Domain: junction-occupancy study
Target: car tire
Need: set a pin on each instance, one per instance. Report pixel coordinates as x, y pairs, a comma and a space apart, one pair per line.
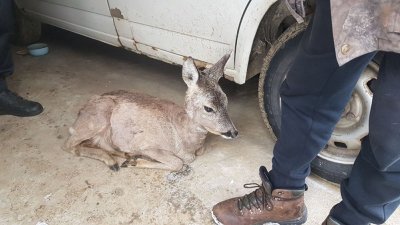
28, 30
333, 163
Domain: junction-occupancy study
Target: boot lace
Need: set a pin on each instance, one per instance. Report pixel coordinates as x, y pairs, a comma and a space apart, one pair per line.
259, 198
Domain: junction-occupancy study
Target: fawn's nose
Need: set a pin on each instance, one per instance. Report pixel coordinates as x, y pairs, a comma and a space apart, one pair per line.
231, 134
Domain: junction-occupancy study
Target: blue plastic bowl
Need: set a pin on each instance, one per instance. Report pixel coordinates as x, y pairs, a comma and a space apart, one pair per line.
38, 49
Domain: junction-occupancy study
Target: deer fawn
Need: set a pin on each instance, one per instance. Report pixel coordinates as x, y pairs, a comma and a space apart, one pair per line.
149, 132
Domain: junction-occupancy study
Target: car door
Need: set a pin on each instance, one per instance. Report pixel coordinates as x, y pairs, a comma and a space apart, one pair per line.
173, 29
91, 18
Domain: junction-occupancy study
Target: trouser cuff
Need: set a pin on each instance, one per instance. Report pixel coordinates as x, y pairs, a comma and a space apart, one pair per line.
280, 181
342, 213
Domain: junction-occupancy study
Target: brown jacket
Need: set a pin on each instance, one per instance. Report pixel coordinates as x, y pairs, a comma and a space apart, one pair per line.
360, 26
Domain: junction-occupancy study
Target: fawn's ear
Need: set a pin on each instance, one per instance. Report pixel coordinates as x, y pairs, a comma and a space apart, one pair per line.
190, 74
217, 70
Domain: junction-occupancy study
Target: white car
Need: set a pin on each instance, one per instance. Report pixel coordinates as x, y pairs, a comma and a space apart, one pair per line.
258, 32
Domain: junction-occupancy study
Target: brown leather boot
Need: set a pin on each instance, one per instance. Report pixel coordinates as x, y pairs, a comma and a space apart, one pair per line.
264, 205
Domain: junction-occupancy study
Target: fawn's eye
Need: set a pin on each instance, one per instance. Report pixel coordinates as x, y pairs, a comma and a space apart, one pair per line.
208, 109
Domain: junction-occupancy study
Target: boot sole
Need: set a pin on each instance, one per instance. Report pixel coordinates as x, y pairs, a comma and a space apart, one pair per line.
299, 221
29, 114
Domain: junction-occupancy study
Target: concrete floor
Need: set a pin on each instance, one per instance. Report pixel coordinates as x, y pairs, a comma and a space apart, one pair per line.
41, 183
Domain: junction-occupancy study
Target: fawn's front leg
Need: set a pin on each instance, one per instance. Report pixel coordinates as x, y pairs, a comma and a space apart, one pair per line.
158, 159
99, 154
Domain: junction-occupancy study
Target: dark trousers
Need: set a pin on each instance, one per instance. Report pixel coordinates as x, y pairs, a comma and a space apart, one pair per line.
6, 29
313, 98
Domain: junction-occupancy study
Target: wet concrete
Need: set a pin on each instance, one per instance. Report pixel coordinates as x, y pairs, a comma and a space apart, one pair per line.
41, 183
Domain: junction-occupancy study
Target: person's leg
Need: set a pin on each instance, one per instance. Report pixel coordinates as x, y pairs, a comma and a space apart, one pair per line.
10, 102
6, 29
372, 192
313, 98
3, 84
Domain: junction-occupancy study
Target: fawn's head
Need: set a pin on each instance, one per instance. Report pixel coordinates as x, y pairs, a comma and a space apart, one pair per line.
205, 101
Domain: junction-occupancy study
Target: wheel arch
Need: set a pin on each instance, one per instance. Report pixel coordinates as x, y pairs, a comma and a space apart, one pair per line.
262, 18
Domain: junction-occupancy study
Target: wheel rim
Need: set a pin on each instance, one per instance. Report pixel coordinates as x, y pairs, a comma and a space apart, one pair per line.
345, 142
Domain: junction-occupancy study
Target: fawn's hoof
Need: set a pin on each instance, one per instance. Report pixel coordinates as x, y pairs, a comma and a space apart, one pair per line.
125, 164
114, 167
129, 162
